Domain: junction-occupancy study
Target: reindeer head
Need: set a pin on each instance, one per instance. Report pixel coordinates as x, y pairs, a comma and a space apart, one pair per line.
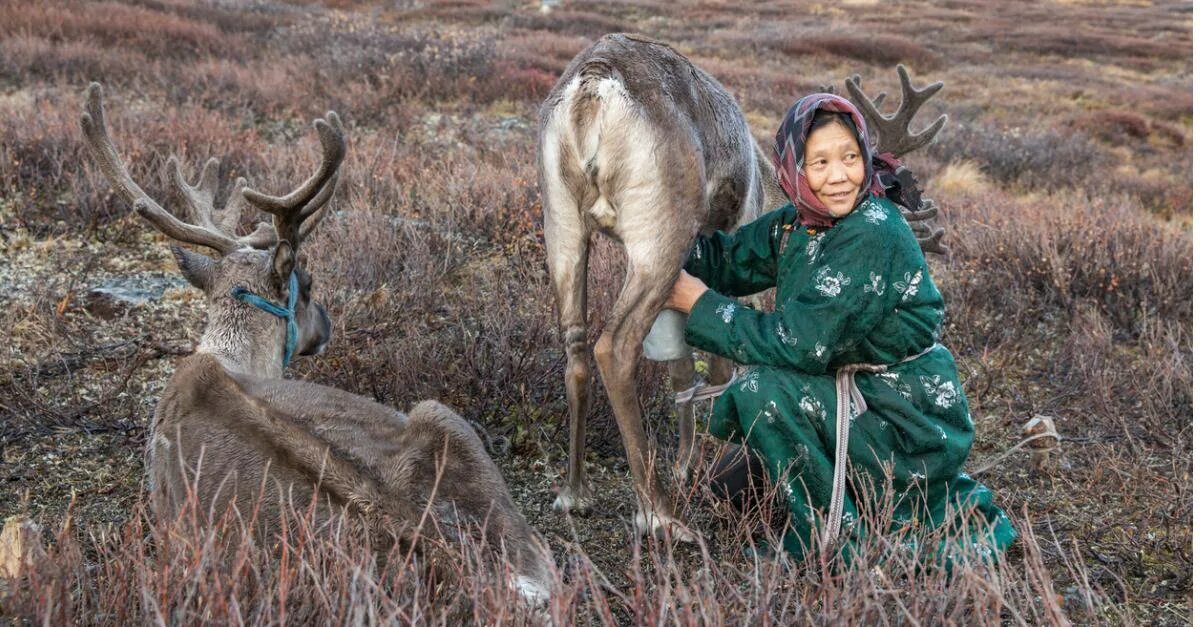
260, 310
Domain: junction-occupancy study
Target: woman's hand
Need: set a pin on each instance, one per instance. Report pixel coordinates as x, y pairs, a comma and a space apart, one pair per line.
686, 291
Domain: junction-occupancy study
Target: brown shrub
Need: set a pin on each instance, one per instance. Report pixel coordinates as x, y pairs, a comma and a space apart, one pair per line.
417, 63
1112, 125
571, 22
150, 32
542, 50
761, 88
523, 84
1079, 41
25, 57
465, 12
1157, 102
256, 19
282, 86
879, 50
1034, 158
1119, 127
1166, 193
438, 264
1169, 134
1121, 377
1055, 254
1084, 304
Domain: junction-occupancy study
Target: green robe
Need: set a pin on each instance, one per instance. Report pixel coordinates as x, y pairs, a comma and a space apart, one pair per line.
858, 292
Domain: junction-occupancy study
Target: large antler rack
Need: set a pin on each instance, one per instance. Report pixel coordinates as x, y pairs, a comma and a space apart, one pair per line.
217, 232
892, 137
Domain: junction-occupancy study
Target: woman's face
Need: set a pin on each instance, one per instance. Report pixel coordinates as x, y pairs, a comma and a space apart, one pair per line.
833, 165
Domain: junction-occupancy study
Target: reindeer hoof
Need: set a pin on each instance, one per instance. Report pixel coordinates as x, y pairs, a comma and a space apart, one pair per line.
571, 501
664, 526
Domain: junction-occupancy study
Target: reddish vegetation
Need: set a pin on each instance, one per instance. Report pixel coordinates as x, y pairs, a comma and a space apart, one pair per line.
882, 50
1117, 127
111, 24
1068, 292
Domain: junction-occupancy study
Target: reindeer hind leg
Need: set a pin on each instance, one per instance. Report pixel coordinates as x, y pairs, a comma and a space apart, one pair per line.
571, 286
447, 463
567, 247
653, 266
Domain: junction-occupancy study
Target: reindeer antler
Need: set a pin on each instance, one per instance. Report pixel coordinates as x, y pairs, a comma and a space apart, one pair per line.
199, 197
290, 212
293, 209
891, 131
892, 136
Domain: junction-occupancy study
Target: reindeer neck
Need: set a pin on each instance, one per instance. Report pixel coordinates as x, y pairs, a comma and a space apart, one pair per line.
245, 340
770, 196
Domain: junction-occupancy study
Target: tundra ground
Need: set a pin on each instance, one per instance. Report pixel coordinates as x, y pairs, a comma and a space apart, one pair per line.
1065, 184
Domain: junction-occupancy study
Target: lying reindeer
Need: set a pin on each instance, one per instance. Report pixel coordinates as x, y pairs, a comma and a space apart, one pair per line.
639, 144
228, 419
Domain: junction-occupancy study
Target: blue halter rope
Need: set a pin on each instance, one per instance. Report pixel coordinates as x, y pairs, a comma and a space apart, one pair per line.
288, 313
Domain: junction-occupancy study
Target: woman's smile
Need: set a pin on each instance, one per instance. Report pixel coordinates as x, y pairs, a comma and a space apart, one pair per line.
839, 196
838, 203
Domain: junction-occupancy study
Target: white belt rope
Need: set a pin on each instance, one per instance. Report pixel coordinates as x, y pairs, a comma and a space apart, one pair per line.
850, 404
701, 392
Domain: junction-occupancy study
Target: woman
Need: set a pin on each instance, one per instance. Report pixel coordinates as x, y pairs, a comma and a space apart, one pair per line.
857, 316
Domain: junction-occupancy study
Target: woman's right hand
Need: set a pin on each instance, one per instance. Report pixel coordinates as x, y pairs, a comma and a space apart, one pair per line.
686, 291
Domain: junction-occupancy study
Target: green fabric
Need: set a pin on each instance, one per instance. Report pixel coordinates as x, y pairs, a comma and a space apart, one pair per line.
858, 292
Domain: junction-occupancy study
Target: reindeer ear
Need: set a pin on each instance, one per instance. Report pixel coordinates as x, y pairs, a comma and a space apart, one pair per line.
284, 262
196, 268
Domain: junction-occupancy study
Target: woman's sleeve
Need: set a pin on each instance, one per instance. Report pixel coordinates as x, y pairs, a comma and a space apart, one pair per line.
839, 304
744, 262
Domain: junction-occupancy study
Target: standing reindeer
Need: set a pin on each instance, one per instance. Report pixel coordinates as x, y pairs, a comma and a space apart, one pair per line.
228, 424
638, 143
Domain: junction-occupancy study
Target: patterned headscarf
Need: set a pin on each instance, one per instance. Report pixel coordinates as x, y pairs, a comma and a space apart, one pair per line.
788, 156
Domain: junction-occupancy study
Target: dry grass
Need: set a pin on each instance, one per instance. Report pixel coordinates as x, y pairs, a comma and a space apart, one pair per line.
201, 568
959, 177
1064, 177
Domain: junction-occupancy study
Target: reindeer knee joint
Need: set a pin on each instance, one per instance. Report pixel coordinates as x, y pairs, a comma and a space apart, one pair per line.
603, 350
574, 338
577, 374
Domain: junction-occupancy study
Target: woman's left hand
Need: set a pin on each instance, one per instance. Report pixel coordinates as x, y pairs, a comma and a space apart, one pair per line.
686, 291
